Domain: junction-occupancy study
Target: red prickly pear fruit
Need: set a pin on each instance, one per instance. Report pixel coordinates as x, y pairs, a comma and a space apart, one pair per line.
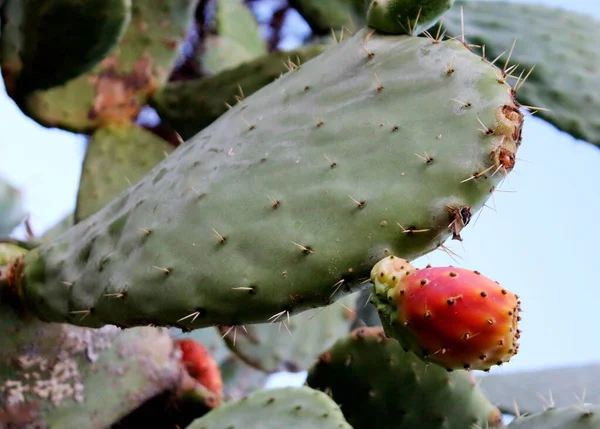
201, 365
454, 317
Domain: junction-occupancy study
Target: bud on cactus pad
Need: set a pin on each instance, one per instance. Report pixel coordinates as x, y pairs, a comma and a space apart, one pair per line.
454, 317
201, 365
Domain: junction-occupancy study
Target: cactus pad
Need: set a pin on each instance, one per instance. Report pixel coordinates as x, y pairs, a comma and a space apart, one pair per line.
554, 40
49, 54
287, 201
12, 211
581, 416
405, 16
117, 156
117, 88
238, 38
291, 344
71, 377
189, 106
298, 408
380, 385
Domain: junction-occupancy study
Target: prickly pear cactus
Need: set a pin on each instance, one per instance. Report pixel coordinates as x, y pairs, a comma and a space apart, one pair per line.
38, 47
289, 156
117, 157
581, 416
117, 88
297, 408
178, 103
380, 385
12, 212
291, 343
405, 16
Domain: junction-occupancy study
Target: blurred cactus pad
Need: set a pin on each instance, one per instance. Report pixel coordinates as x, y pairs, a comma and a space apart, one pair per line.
241, 198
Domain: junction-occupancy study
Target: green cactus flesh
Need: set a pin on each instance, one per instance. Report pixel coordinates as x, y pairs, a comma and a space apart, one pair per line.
12, 211
324, 16
189, 106
556, 42
560, 385
379, 385
287, 201
366, 313
240, 379
63, 376
116, 89
291, 344
405, 16
238, 38
580, 416
117, 156
297, 408
49, 54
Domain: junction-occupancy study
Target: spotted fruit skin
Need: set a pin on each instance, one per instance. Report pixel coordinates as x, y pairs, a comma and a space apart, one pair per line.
201, 365
454, 317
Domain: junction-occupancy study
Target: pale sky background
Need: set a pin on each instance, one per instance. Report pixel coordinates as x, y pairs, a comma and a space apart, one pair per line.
541, 241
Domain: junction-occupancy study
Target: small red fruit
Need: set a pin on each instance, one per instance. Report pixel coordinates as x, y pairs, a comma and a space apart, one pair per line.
454, 317
201, 365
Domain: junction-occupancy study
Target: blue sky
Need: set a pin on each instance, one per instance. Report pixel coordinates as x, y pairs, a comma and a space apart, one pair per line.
540, 241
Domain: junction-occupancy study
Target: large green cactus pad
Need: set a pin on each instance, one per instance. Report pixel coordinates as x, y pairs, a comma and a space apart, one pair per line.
379, 385
12, 211
117, 156
72, 377
532, 391
191, 105
291, 344
324, 16
560, 46
238, 38
297, 408
287, 201
54, 41
580, 416
115, 90
240, 379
